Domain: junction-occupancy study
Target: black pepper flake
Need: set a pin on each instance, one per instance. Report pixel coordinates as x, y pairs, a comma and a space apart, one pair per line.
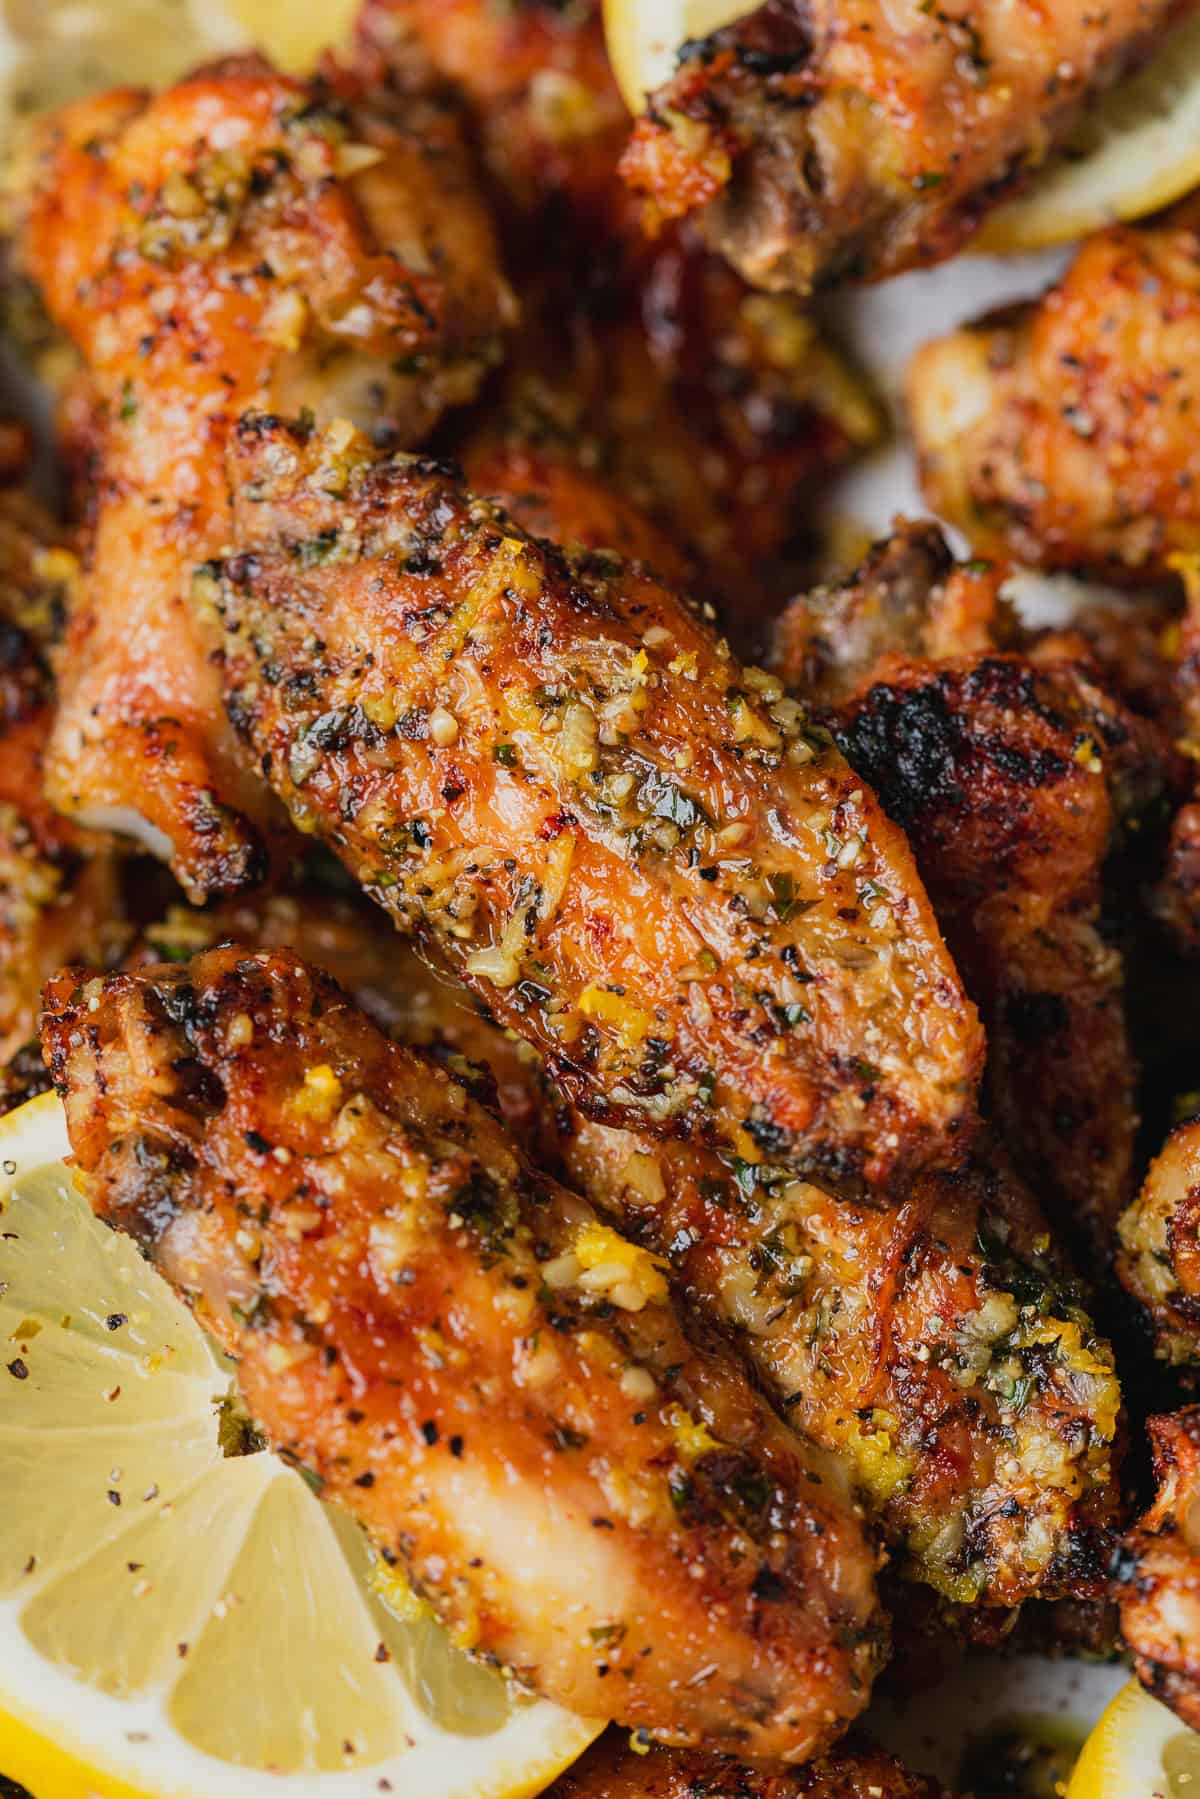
17, 1369
115, 1320
257, 1142
456, 1448
114, 1498
603, 1524
382, 1653
429, 1431
365, 1480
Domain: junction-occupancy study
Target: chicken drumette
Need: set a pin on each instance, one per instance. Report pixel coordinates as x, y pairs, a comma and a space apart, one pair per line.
496, 1383
242, 238
640, 852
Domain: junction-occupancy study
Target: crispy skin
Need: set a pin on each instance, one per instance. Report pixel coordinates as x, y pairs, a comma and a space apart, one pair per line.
938, 1349
1159, 1572
613, 1770
419, 1319
1159, 1258
1013, 784
650, 365
1176, 897
243, 238
633, 848
1063, 433
59, 896
1011, 1399
834, 139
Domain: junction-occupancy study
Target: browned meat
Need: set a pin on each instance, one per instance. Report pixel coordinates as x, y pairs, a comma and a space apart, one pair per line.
1159, 1572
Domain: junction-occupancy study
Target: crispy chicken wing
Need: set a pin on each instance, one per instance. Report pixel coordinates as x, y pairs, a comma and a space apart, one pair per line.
1013, 784
638, 851
838, 139
1159, 1571
1064, 432
1159, 1258
243, 238
611, 1769
493, 1381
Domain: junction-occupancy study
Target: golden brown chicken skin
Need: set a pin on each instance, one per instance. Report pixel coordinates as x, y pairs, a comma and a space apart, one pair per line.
1014, 784
242, 238
612, 1769
1159, 1257
638, 852
1159, 1571
835, 139
494, 1382
1064, 432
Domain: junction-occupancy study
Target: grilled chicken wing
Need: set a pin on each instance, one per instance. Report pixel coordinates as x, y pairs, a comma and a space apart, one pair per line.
612, 1770
1159, 1258
1013, 784
651, 365
1159, 1571
837, 138
493, 1381
636, 850
1064, 432
59, 891
243, 238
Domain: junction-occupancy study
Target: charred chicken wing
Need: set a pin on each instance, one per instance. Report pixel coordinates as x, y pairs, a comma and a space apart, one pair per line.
492, 1380
612, 1770
243, 238
1159, 1571
839, 138
1159, 1260
639, 852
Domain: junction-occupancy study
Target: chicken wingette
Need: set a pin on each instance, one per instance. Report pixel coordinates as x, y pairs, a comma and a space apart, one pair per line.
492, 1380
1063, 432
841, 139
241, 239
1158, 1570
1016, 780
640, 853
614, 1770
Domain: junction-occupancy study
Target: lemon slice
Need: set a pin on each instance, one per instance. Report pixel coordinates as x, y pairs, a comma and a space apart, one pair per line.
1137, 150
177, 1622
53, 51
644, 36
1138, 1750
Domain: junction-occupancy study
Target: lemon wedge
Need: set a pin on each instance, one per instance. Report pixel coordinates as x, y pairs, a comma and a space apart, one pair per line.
54, 51
1138, 1750
179, 1622
1136, 150
644, 36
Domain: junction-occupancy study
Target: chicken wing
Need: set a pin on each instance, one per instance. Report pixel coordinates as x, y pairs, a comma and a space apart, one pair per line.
1064, 432
243, 238
837, 139
493, 1381
640, 853
1159, 1571
1013, 784
1159, 1257
611, 1769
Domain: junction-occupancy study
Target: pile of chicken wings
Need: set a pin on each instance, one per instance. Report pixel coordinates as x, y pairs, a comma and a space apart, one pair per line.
672, 1080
